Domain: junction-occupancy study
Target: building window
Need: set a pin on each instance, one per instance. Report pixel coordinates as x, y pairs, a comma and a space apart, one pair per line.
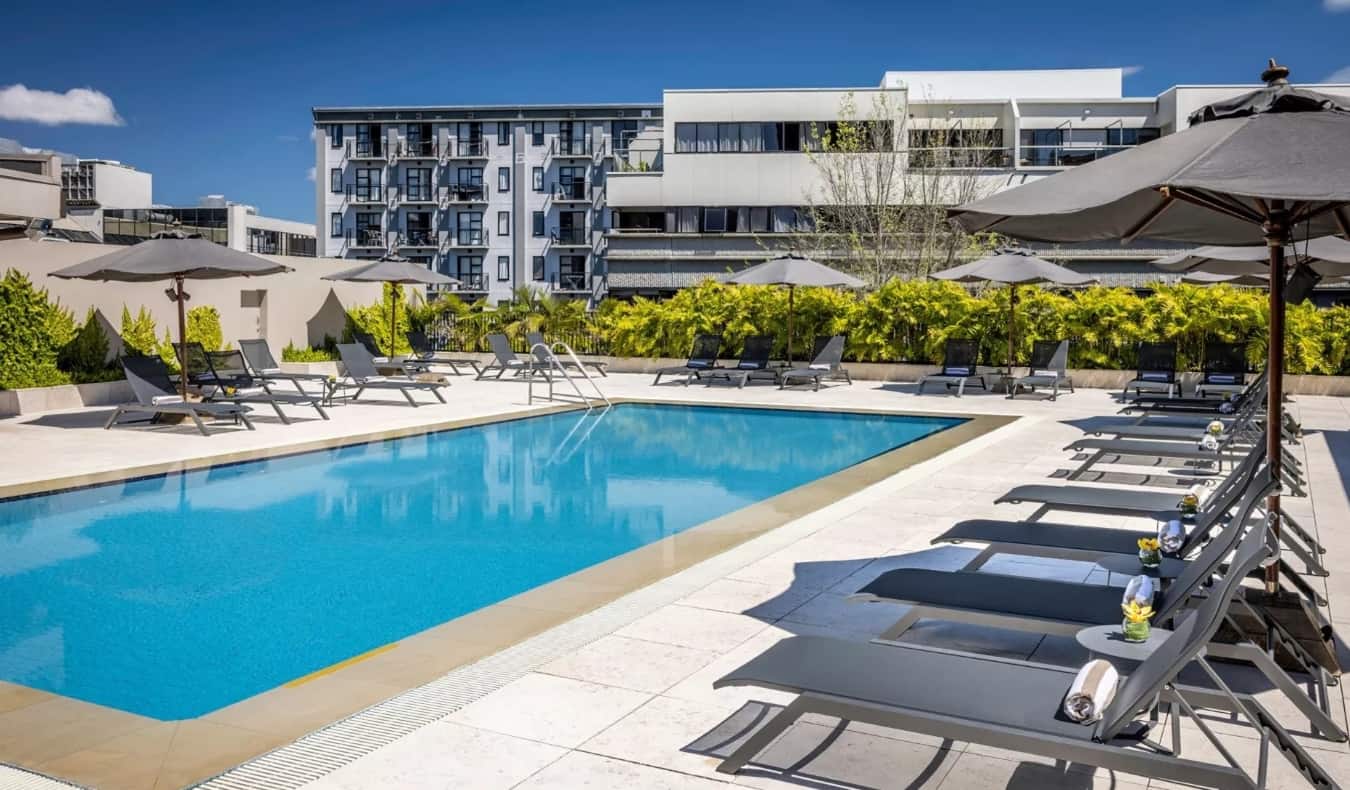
368, 183
503, 223
503, 267
538, 224
334, 135
503, 134
335, 179
537, 270
471, 176
335, 224
503, 179
686, 219
537, 133
714, 220
538, 175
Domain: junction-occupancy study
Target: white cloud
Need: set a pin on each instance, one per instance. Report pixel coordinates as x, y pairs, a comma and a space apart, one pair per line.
310, 175
1340, 75
77, 105
1336, 5
11, 146
1130, 71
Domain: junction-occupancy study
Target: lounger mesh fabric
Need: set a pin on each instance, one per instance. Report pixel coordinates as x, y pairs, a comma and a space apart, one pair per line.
259, 355
706, 350
1225, 363
755, 355
1157, 363
959, 357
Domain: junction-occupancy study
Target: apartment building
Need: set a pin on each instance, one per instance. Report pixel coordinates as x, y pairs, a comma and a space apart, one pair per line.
707, 181
496, 196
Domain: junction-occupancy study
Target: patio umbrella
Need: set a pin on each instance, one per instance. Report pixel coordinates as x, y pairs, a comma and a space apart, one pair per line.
172, 255
1328, 256
1013, 267
399, 271
792, 271
1199, 277
1250, 170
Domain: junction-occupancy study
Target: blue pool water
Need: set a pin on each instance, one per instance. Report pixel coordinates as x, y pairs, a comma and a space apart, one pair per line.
176, 595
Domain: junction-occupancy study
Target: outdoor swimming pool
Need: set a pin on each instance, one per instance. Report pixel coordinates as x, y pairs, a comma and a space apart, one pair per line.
176, 595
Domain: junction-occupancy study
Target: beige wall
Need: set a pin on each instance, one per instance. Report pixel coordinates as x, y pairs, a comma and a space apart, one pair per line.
28, 195
294, 307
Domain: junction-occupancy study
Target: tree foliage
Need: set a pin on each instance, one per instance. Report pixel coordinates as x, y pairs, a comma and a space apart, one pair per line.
85, 357
33, 330
138, 333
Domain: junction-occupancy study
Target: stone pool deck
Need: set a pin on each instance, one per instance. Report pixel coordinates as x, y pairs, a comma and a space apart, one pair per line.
622, 696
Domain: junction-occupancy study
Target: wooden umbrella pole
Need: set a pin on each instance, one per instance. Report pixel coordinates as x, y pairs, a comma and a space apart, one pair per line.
393, 319
1277, 236
791, 290
182, 339
1012, 323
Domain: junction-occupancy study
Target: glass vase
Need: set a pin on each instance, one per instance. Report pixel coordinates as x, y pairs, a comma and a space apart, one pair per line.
1135, 632
1150, 558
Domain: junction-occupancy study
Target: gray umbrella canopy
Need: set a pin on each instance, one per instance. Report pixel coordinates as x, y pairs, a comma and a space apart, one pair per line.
399, 271
792, 271
1013, 267
1250, 170
1328, 256
1209, 278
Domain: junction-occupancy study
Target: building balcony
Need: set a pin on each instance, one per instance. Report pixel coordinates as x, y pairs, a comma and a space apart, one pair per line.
467, 149
571, 237
469, 237
366, 239
370, 149
465, 193
1065, 155
418, 149
365, 195
577, 148
571, 192
417, 193
471, 282
960, 158
570, 282
420, 238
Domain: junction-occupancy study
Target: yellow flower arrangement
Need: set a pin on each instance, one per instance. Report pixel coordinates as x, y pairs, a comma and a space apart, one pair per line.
1136, 612
1148, 544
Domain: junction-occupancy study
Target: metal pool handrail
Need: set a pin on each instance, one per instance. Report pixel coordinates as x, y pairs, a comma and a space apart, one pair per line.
556, 366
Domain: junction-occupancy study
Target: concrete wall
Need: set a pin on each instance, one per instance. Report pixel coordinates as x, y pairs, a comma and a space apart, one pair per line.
1029, 83
296, 307
117, 186
31, 195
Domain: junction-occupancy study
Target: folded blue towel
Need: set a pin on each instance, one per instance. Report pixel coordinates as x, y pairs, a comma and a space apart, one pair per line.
959, 370
1221, 378
1155, 375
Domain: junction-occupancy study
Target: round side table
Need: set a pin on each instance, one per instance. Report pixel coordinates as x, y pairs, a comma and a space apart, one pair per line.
1109, 640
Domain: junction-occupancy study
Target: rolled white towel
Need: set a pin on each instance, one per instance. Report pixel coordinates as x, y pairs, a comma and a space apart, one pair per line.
1140, 589
1092, 691
1171, 536
166, 400
1209, 442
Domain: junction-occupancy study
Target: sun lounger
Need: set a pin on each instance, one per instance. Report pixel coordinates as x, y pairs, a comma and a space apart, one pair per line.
1236, 438
505, 359
1049, 367
543, 353
156, 396
826, 364
1253, 390
754, 363
262, 365
1156, 371
702, 359
1224, 370
958, 367
363, 375
1015, 705
424, 355
223, 376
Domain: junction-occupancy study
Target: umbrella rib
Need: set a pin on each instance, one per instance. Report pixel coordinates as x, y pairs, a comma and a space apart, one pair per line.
1306, 212
1149, 218
1342, 221
1205, 200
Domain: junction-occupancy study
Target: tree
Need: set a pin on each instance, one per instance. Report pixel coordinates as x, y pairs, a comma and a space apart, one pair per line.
138, 334
884, 183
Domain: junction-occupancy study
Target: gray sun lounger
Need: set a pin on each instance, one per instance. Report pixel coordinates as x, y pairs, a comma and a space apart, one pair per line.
702, 359
1156, 371
156, 396
1237, 439
1224, 371
959, 368
262, 365
424, 355
827, 364
1015, 705
1049, 367
753, 364
505, 359
363, 375
543, 353
229, 366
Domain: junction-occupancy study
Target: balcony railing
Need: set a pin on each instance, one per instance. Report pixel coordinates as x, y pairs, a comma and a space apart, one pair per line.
570, 190
471, 237
466, 193
1065, 155
372, 193
419, 237
417, 193
959, 158
576, 147
417, 149
469, 149
366, 238
571, 282
370, 149
571, 237
471, 281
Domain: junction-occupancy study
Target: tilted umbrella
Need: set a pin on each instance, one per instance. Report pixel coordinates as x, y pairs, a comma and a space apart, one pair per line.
1200, 277
792, 271
399, 271
172, 255
1266, 167
1013, 267
1328, 256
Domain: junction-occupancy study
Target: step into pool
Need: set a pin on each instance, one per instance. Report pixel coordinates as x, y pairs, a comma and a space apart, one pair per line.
175, 595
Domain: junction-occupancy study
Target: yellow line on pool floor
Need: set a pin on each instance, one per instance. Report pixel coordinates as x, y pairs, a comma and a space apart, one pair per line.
300, 681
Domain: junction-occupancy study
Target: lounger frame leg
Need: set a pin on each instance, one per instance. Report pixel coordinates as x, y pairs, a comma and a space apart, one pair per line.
112, 420
764, 736
201, 426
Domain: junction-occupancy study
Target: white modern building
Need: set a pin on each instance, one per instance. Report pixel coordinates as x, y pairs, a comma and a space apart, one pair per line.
638, 199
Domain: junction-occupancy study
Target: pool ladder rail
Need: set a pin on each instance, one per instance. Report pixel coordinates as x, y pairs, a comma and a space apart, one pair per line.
557, 370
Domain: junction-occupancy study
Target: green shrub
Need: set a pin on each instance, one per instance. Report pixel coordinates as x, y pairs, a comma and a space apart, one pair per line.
33, 330
85, 357
203, 326
374, 320
325, 353
138, 334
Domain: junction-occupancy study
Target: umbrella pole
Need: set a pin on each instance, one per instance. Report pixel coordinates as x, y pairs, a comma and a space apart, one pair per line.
1277, 235
791, 290
393, 319
1012, 323
182, 339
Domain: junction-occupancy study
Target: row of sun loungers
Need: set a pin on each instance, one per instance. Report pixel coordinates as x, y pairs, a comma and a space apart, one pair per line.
755, 363
1021, 705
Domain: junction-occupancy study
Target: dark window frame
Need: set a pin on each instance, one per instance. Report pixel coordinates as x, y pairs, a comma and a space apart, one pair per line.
503, 219
335, 225
335, 180
503, 268
503, 179
537, 174
537, 224
503, 133
537, 133
538, 266
334, 135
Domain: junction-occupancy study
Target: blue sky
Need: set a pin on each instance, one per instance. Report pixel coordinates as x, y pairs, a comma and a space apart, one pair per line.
214, 98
